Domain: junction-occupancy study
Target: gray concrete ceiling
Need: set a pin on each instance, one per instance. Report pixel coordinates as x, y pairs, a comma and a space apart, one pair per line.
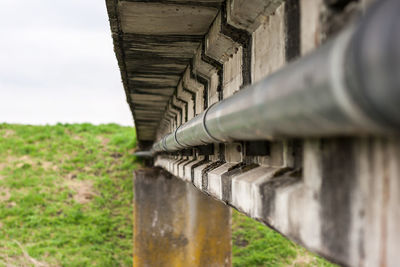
154, 42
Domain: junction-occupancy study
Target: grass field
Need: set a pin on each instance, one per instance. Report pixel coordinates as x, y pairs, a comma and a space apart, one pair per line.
66, 200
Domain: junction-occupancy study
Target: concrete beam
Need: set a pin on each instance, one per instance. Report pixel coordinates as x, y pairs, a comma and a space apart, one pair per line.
188, 98
194, 86
210, 72
343, 203
250, 14
217, 45
164, 19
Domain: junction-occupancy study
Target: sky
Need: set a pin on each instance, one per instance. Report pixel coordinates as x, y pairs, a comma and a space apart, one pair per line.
57, 64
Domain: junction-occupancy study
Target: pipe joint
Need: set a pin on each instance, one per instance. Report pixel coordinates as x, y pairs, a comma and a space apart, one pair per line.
204, 124
176, 138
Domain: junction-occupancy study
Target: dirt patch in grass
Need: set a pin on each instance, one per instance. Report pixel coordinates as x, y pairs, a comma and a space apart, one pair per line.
8, 133
4, 194
24, 260
302, 260
71, 176
47, 165
84, 190
21, 161
103, 140
87, 169
26, 159
77, 137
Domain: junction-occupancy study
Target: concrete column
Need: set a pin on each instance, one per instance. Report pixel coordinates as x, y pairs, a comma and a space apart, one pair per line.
176, 225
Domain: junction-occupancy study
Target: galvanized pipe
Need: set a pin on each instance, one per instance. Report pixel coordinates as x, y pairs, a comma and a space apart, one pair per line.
349, 86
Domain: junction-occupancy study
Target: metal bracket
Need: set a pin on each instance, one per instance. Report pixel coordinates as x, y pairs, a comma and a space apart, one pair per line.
257, 148
205, 150
186, 152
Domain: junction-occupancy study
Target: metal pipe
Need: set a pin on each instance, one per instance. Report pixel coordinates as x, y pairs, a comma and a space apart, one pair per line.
143, 154
349, 86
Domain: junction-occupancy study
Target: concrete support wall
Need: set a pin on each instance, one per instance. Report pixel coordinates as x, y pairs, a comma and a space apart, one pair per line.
176, 225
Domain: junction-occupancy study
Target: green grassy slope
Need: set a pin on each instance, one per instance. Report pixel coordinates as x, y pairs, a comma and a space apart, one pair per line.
66, 200
65, 195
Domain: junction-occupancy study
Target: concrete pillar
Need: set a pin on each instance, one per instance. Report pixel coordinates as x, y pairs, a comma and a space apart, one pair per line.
176, 225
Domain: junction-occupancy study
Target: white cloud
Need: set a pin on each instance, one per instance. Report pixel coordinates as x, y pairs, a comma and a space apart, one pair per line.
57, 64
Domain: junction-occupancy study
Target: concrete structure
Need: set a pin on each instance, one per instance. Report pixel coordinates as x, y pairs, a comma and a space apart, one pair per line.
176, 225
337, 194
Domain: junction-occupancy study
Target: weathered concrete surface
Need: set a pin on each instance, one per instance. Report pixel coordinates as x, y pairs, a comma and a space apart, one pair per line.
343, 203
249, 14
269, 45
160, 18
155, 42
176, 225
